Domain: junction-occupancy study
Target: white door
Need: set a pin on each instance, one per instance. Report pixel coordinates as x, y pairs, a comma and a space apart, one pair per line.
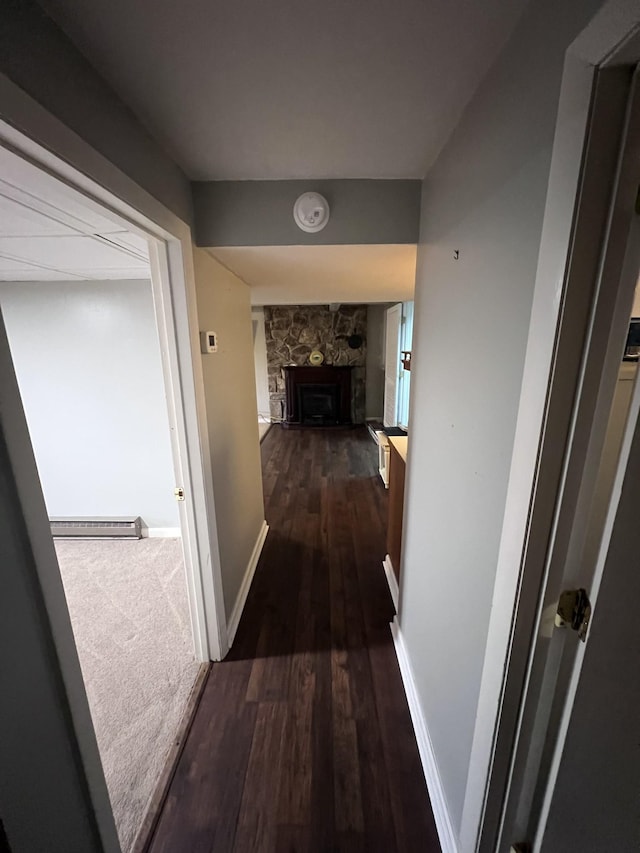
593, 800
404, 384
566, 541
392, 365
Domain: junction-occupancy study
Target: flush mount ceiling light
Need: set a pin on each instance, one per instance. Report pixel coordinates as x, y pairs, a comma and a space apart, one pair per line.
311, 212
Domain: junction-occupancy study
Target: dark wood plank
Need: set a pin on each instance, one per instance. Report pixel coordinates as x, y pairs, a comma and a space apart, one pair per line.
257, 821
202, 797
295, 788
302, 742
294, 839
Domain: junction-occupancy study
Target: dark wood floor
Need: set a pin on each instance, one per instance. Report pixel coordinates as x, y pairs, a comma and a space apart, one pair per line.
302, 742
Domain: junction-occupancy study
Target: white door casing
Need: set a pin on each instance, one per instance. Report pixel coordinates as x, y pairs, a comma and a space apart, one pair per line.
392, 365
404, 376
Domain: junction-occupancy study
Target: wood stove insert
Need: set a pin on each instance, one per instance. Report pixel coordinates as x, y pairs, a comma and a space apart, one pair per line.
318, 396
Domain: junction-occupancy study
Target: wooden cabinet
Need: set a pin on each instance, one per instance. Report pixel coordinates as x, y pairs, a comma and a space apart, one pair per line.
397, 464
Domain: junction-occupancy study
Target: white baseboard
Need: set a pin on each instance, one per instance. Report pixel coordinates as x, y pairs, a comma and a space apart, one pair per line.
446, 834
161, 533
238, 607
391, 580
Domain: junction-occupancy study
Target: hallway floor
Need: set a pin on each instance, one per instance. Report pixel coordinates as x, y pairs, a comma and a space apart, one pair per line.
302, 742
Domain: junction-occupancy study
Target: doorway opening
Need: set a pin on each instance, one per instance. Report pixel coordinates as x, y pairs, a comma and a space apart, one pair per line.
83, 296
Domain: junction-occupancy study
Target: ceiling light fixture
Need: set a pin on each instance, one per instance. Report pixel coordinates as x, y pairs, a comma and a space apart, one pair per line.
311, 212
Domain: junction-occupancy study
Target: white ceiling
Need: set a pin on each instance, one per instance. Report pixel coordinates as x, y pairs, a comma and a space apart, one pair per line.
295, 275
293, 89
47, 236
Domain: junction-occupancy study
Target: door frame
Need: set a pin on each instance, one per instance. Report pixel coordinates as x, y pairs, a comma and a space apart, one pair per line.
404, 376
553, 446
397, 308
175, 310
555, 670
60, 153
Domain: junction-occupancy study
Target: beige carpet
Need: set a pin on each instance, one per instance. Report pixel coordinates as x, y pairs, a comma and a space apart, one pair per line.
128, 605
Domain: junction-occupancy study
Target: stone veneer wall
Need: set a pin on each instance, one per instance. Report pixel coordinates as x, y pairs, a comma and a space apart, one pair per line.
294, 331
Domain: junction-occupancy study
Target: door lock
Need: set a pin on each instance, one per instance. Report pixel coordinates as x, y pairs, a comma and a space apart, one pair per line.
178, 493
574, 611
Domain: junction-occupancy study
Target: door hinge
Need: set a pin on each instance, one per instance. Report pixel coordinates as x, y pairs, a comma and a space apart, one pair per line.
178, 493
574, 611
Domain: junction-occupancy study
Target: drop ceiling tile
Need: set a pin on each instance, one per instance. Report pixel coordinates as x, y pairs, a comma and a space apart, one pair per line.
33, 274
127, 240
46, 195
122, 273
16, 220
17, 269
70, 253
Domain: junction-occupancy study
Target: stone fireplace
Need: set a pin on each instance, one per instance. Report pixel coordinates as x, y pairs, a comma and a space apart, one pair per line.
293, 331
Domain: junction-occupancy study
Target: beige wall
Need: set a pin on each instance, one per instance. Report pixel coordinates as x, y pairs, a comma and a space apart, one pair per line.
230, 391
635, 311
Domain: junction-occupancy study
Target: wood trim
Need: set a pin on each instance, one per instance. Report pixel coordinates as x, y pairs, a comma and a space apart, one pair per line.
441, 813
245, 586
156, 802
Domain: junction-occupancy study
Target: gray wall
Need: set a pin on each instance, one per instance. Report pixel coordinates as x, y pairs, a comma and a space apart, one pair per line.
88, 364
485, 197
37, 56
260, 213
232, 417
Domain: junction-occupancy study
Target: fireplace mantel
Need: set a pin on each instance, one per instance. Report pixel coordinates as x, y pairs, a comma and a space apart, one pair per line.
325, 374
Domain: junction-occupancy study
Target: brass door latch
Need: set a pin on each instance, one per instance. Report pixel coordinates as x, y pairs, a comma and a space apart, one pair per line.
574, 611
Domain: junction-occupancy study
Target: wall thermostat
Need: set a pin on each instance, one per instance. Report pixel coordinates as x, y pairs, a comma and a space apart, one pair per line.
208, 342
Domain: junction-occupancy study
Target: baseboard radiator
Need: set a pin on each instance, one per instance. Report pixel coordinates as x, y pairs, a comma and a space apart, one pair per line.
128, 527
